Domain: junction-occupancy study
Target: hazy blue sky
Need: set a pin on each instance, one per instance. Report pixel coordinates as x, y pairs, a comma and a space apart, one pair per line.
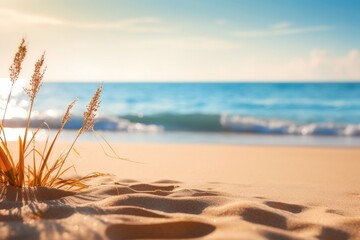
174, 40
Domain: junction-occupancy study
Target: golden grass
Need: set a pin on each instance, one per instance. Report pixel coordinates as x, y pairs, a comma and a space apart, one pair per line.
25, 170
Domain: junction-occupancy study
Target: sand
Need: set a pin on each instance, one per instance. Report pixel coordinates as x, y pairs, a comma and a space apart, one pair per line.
196, 191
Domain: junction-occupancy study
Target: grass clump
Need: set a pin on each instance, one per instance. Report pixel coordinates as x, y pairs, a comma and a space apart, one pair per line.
32, 166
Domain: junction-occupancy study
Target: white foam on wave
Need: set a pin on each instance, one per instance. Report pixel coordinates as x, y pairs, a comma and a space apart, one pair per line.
238, 123
103, 123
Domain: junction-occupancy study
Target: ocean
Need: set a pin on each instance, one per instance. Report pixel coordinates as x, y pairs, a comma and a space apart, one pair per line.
236, 113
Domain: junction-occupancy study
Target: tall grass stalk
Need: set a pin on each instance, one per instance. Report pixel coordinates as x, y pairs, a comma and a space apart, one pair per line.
14, 69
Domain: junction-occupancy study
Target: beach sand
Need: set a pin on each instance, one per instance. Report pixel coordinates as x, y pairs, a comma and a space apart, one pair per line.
196, 191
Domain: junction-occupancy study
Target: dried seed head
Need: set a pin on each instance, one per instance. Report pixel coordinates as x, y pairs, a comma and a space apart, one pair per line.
36, 79
67, 114
90, 113
15, 67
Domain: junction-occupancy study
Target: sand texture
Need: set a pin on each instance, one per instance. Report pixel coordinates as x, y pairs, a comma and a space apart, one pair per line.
230, 192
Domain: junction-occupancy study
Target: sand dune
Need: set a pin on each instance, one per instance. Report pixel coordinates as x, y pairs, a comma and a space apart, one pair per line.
118, 208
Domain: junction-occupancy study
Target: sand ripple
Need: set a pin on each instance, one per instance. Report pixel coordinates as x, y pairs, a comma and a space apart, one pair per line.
165, 209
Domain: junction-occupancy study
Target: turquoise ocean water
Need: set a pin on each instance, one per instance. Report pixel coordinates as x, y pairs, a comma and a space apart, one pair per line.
253, 113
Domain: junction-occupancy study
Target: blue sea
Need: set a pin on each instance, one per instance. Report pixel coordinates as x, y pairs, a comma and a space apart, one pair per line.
235, 113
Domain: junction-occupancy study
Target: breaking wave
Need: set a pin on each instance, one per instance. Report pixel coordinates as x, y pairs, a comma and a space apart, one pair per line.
262, 126
196, 123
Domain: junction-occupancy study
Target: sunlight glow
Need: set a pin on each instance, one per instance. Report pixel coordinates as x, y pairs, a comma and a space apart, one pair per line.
16, 105
12, 134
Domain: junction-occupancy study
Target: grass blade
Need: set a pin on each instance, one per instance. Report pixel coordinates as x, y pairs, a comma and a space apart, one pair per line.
21, 169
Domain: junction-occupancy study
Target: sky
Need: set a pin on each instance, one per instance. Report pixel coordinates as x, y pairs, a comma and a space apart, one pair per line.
185, 40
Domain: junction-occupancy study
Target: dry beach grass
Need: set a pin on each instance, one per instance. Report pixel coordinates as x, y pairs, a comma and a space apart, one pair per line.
34, 166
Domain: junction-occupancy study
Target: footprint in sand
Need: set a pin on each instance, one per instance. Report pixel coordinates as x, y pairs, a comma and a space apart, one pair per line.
263, 217
150, 187
293, 208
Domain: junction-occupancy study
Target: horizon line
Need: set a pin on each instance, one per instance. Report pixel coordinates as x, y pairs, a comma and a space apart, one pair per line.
208, 81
